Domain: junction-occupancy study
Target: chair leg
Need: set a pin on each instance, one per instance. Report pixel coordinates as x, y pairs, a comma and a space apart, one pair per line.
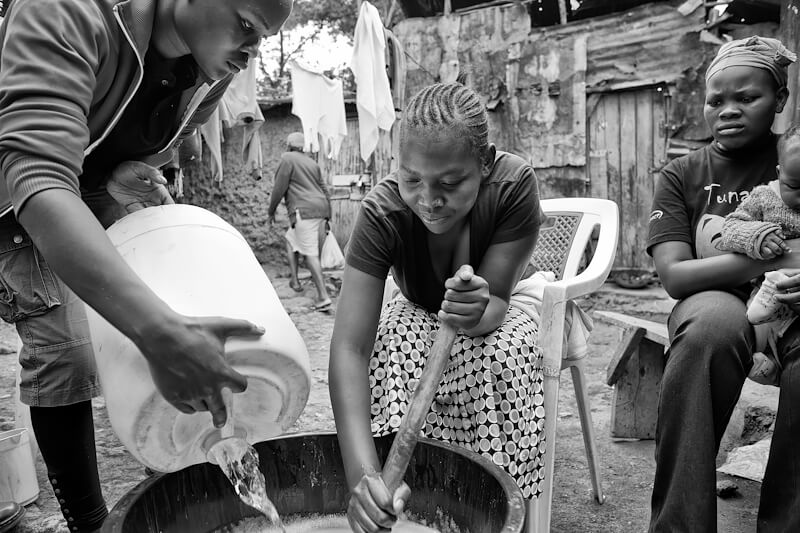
539, 509
584, 410
538, 516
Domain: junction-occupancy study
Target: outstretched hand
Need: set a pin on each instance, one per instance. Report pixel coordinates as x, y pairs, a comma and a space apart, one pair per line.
465, 299
372, 508
136, 185
188, 366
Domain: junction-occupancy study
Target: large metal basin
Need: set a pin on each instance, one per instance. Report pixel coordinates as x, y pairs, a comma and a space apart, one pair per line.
304, 474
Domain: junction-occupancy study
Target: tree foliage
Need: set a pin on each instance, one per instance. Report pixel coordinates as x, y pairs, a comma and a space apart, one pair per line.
311, 20
338, 15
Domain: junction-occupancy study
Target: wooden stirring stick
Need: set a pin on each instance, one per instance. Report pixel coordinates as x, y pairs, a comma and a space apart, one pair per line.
394, 469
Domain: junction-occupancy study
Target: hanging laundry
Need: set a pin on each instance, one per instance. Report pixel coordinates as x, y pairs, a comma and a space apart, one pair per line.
373, 96
191, 149
172, 170
319, 103
212, 134
396, 61
237, 108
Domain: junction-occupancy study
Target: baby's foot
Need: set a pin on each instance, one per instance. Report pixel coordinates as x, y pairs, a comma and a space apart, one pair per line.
764, 307
765, 370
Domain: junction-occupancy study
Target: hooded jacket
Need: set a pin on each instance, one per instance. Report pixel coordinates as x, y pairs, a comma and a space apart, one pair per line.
68, 69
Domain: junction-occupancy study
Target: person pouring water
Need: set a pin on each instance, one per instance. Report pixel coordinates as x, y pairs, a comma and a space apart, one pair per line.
94, 97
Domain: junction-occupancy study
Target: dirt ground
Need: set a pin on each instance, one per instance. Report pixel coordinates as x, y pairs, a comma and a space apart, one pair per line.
627, 466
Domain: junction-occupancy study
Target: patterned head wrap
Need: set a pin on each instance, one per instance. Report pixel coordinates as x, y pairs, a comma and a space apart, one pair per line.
759, 52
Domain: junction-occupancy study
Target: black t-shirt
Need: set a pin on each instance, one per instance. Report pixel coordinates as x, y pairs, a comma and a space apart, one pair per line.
695, 192
149, 120
387, 234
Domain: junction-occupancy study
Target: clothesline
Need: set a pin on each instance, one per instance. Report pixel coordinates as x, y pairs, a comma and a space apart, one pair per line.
426, 71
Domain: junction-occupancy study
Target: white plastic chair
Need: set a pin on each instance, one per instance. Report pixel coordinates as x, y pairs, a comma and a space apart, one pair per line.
560, 249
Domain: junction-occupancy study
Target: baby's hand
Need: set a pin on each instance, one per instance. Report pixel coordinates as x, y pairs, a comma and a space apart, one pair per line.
774, 245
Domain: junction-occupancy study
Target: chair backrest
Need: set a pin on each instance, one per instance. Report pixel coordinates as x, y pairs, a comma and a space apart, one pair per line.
560, 249
569, 229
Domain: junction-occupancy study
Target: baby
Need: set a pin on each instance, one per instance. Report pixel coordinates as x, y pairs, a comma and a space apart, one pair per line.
759, 228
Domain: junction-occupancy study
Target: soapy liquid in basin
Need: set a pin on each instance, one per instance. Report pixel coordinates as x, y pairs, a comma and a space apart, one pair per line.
239, 461
318, 524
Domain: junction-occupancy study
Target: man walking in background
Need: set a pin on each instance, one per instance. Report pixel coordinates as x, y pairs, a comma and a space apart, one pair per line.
298, 180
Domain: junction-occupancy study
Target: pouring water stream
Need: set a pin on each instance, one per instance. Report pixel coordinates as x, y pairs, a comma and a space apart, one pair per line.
240, 463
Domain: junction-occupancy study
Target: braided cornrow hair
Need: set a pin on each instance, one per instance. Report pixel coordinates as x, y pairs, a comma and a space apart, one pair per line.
448, 107
789, 136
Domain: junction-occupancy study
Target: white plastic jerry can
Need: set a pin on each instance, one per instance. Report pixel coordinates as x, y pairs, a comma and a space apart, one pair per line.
200, 266
18, 481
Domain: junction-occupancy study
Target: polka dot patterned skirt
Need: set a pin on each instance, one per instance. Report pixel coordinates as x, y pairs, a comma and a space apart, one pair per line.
490, 400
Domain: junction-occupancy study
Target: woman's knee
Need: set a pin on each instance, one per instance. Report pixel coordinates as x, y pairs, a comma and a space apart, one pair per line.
710, 315
711, 322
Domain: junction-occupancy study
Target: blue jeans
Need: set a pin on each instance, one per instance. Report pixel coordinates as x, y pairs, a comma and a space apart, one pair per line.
708, 360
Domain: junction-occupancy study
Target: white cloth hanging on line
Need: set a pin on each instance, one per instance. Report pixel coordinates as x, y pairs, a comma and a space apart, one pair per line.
373, 96
211, 132
238, 107
318, 102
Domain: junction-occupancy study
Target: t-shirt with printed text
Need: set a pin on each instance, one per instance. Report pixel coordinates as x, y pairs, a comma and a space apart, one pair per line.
695, 192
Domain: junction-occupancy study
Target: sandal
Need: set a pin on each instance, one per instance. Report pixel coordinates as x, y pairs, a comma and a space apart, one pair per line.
322, 306
296, 288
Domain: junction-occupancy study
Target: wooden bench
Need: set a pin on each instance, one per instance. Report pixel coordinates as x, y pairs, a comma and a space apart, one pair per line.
635, 372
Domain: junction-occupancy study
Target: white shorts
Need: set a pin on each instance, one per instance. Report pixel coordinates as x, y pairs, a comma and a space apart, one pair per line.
304, 236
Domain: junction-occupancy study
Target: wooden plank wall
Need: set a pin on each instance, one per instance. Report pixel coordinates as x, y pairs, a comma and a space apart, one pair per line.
343, 217
349, 159
626, 149
344, 209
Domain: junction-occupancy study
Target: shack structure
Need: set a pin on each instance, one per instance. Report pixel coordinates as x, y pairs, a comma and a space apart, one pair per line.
597, 105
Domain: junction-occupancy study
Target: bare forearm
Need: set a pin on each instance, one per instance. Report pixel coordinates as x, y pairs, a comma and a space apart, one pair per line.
76, 247
684, 278
351, 399
502, 267
492, 317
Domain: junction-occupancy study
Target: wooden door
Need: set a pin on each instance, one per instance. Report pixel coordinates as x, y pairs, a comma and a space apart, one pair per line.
626, 147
